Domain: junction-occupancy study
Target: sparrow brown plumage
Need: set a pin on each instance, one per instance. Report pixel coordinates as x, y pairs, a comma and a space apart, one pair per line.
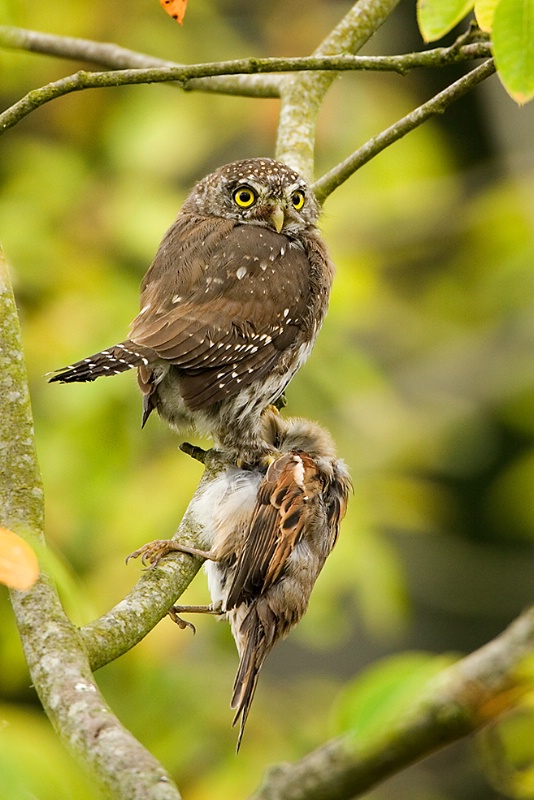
267, 538
230, 306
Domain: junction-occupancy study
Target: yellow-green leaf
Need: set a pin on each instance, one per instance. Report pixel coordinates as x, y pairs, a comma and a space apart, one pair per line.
484, 13
507, 750
380, 697
19, 567
437, 17
513, 45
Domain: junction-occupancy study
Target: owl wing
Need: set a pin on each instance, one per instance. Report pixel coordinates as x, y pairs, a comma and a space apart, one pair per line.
287, 498
223, 302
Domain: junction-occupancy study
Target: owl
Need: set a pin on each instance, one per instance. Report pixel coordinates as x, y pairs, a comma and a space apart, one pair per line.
230, 306
267, 537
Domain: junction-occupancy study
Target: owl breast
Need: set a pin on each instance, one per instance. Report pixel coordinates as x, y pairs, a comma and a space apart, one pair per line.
230, 306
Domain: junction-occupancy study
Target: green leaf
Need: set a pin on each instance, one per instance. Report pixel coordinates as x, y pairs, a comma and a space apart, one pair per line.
484, 13
437, 17
513, 45
507, 751
380, 697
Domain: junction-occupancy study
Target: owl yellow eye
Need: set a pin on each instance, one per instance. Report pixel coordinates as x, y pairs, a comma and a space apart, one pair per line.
297, 198
244, 196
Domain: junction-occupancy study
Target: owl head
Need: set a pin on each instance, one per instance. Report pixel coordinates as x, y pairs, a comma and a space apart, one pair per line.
257, 191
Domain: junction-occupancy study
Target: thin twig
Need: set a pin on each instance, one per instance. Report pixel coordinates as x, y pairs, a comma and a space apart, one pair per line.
437, 105
112, 56
184, 76
116, 57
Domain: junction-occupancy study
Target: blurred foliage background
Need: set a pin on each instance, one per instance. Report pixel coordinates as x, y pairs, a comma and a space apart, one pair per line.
424, 373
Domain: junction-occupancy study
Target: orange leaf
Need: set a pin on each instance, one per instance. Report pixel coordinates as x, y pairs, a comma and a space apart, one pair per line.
19, 568
175, 9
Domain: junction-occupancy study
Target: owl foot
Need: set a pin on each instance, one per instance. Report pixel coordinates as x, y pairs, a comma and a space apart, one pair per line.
258, 458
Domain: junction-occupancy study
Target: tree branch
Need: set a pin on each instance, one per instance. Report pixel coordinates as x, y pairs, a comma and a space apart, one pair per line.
437, 105
464, 697
58, 665
459, 701
21, 488
156, 591
187, 76
83, 720
112, 56
120, 58
123, 626
302, 95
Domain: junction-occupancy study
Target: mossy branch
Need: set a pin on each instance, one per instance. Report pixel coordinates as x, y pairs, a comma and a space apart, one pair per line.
115, 57
60, 658
56, 659
155, 592
21, 488
301, 83
302, 95
187, 76
112, 56
460, 700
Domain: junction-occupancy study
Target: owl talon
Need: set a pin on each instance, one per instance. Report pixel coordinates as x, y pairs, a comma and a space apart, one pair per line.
259, 459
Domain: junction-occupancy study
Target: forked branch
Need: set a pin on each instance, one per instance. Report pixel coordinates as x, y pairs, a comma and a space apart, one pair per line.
437, 105
61, 658
55, 656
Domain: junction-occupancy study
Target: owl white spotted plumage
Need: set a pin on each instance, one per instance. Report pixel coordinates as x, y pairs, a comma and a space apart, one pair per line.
230, 306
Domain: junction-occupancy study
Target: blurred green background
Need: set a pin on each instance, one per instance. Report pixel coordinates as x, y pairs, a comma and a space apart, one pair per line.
424, 373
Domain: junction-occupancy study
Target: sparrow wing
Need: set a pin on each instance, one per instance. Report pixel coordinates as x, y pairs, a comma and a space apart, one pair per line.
286, 498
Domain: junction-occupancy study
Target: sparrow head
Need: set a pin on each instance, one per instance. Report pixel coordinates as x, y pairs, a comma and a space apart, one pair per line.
296, 433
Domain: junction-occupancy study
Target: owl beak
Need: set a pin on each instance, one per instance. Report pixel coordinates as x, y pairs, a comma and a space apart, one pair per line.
277, 217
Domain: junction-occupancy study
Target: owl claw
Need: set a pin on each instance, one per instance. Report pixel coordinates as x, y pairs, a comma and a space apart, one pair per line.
256, 461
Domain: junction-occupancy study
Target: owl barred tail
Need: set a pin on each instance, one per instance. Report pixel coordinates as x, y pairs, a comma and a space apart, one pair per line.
230, 306
118, 358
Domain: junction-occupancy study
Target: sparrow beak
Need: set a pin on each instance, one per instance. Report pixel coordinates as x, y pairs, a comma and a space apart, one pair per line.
277, 217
